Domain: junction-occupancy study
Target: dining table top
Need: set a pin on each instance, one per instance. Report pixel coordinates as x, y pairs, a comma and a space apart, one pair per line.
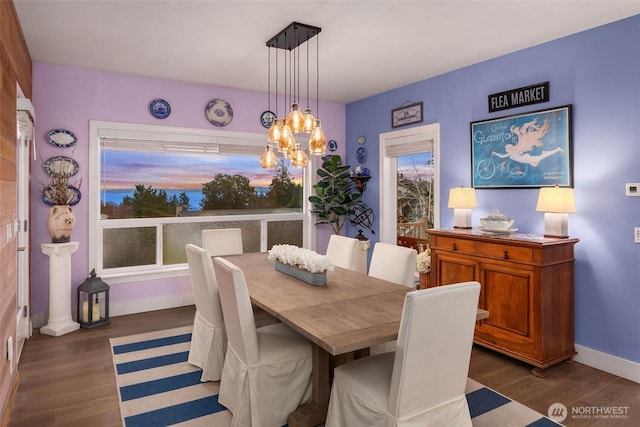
353, 311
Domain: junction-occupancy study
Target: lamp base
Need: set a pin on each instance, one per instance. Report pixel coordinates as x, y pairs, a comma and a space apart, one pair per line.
556, 225
462, 218
553, 236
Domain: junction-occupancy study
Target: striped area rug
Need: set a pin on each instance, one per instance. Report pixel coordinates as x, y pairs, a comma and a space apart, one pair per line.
157, 387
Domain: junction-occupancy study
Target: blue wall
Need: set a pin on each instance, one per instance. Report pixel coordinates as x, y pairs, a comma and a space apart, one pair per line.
598, 72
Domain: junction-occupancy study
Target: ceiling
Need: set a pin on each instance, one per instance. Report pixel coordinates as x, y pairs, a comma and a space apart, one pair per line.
365, 47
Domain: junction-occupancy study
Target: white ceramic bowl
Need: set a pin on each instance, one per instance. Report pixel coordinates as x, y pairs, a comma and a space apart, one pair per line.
496, 221
497, 224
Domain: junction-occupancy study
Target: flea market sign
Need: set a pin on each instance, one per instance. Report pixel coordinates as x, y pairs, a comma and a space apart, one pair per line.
522, 96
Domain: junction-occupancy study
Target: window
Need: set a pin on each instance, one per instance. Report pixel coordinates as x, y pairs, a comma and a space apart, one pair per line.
415, 189
154, 188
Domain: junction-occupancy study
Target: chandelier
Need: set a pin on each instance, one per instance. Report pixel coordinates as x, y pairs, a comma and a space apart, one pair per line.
284, 132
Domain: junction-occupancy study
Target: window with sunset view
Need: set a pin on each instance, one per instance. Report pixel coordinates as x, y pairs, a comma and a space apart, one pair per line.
156, 196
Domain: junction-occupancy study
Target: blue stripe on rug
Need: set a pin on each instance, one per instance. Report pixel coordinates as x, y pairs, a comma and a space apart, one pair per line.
484, 400
544, 422
153, 362
160, 385
144, 345
176, 413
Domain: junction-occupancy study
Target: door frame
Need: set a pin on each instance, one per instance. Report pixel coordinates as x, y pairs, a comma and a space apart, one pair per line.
388, 167
24, 144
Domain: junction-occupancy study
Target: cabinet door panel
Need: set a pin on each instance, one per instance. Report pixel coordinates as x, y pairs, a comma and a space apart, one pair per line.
509, 298
455, 270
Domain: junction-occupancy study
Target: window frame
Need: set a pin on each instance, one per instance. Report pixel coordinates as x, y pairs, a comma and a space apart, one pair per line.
207, 140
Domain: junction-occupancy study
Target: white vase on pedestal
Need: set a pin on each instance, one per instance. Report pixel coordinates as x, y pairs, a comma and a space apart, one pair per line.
60, 320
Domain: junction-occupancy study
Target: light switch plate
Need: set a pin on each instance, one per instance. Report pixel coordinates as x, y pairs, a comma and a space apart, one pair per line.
636, 234
632, 189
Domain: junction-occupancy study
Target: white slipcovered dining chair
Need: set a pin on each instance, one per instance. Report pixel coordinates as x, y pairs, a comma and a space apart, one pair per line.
267, 371
423, 382
208, 339
394, 263
343, 251
222, 241
228, 241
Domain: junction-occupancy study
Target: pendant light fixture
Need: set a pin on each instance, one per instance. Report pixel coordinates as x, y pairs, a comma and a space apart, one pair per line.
284, 131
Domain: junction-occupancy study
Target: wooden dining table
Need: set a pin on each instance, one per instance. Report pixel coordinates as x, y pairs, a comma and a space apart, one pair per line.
341, 319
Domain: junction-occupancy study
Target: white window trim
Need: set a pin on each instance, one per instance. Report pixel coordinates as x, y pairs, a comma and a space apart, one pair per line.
202, 140
391, 144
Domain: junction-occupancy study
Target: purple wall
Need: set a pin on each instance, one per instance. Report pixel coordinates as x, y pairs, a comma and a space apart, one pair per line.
69, 98
597, 72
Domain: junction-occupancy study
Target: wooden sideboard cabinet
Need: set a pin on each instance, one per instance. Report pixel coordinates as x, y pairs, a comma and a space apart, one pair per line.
526, 285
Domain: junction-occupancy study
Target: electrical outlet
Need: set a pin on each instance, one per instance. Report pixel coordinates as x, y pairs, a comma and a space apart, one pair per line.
636, 234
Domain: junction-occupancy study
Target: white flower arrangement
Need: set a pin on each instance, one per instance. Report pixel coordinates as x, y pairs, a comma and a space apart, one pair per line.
423, 263
302, 258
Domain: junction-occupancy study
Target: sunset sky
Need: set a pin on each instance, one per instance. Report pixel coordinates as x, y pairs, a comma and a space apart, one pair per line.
125, 169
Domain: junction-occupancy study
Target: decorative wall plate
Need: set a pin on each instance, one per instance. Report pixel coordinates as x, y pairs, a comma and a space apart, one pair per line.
61, 165
159, 108
74, 195
219, 112
333, 145
62, 138
267, 118
361, 155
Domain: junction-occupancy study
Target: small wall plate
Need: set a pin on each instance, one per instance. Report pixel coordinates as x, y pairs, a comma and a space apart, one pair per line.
159, 108
266, 118
361, 155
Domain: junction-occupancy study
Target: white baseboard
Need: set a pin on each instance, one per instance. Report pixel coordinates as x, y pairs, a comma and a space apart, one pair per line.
606, 362
130, 307
122, 308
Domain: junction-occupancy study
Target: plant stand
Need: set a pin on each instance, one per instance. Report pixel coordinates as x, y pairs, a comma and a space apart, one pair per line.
60, 321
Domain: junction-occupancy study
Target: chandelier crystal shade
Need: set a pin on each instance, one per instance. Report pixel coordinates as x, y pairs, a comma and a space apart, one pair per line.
294, 123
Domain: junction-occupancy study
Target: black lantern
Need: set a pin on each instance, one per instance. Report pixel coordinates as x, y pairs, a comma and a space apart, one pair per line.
93, 302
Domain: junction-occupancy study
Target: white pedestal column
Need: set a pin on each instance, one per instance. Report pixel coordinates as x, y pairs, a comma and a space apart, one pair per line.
60, 321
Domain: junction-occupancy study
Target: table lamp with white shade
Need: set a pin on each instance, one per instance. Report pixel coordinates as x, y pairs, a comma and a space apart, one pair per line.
556, 203
462, 200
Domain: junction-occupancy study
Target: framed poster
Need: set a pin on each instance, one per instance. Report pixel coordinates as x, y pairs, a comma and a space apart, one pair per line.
527, 150
406, 115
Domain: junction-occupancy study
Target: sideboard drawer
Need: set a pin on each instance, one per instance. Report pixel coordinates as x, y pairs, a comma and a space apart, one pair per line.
506, 252
457, 245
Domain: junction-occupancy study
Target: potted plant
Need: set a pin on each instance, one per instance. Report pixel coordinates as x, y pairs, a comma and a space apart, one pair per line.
60, 194
334, 200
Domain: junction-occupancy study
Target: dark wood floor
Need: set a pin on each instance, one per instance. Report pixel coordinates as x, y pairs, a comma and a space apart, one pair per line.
69, 381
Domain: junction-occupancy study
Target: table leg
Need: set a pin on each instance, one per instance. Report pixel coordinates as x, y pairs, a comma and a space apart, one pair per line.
315, 412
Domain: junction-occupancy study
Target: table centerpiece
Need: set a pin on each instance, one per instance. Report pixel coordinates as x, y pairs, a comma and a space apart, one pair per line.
303, 264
